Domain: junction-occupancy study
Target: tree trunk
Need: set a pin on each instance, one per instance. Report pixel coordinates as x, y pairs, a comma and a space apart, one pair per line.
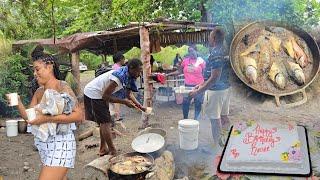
205, 13
75, 71
230, 30
145, 58
209, 16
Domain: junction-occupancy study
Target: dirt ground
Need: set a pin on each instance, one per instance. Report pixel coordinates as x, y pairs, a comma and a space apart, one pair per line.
198, 164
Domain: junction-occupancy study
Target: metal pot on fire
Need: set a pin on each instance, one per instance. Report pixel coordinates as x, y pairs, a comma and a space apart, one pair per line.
132, 165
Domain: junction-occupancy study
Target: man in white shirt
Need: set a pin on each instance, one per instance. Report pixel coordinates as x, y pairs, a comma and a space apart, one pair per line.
101, 91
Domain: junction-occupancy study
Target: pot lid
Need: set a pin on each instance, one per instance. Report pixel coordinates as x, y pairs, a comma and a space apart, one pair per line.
147, 143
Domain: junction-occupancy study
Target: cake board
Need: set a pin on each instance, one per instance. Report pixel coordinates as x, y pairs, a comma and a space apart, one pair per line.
305, 171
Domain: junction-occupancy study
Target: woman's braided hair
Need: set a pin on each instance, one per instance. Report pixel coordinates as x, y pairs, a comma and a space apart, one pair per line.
38, 54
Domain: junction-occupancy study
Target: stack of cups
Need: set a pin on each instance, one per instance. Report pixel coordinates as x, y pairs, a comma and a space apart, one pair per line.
31, 114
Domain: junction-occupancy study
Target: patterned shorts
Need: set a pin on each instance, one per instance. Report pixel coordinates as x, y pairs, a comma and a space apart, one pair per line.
58, 150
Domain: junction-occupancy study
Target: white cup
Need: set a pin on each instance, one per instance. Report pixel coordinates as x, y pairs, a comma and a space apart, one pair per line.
31, 113
182, 88
29, 128
149, 110
13, 99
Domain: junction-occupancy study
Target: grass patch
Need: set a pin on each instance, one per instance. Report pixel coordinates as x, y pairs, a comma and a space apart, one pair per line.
87, 74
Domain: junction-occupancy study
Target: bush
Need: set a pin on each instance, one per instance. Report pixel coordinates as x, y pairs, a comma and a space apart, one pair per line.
71, 81
13, 79
203, 51
91, 60
133, 53
167, 54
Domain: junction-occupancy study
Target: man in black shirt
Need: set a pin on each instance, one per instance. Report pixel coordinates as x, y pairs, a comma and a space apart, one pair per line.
217, 86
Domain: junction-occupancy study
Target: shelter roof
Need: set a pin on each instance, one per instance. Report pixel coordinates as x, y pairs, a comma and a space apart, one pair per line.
162, 33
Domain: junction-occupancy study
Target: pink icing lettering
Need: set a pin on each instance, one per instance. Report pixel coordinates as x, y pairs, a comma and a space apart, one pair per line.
261, 140
256, 150
235, 153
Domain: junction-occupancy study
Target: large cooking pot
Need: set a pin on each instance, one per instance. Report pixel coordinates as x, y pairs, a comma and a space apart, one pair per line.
234, 58
141, 175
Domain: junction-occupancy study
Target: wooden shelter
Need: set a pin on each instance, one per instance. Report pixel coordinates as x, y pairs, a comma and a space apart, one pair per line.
149, 36
162, 33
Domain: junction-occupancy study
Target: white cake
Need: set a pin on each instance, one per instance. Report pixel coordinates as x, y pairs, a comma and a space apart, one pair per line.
254, 144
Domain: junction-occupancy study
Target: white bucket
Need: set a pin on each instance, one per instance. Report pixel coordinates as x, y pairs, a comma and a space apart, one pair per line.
188, 134
12, 128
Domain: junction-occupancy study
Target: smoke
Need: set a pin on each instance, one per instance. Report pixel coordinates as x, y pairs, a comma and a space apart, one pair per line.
244, 10
232, 13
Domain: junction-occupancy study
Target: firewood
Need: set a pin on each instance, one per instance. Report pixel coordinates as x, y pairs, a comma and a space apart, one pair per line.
85, 135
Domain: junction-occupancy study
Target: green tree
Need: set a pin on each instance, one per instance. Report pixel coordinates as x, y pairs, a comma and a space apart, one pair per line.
30, 19
13, 76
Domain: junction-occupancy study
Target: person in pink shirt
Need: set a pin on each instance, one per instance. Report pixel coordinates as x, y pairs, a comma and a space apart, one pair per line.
119, 61
192, 67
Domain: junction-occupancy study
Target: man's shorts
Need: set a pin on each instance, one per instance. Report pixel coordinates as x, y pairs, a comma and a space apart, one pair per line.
216, 103
97, 110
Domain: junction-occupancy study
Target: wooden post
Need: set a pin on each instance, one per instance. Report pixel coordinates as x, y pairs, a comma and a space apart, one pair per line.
75, 58
115, 46
145, 58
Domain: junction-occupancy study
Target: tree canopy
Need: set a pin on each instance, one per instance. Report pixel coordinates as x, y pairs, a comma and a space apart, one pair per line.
29, 19
36, 18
